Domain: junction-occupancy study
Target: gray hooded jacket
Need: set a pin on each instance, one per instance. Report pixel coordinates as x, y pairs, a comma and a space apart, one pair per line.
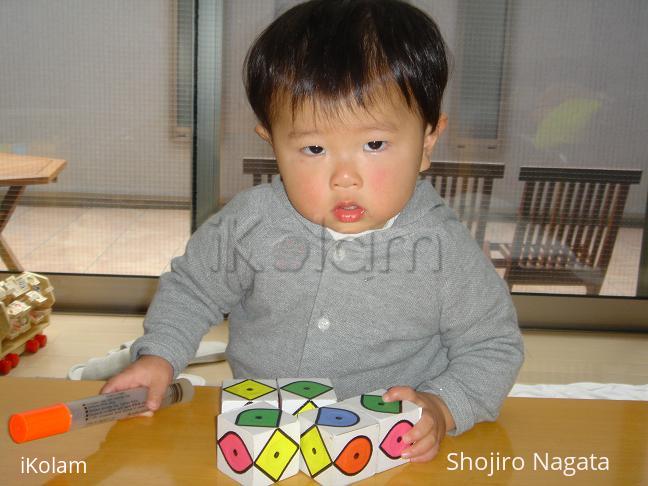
416, 304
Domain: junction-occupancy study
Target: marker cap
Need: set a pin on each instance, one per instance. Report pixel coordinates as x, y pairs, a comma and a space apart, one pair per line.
39, 423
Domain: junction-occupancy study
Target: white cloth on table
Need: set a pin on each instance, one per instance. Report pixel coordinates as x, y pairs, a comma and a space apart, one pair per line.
584, 390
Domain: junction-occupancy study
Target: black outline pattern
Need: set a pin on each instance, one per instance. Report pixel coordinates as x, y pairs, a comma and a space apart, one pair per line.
226, 434
246, 398
322, 409
300, 409
328, 388
252, 411
277, 431
387, 435
362, 402
345, 448
319, 434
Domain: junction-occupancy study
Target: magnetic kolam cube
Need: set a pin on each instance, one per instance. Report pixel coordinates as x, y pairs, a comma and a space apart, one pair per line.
298, 395
257, 444
238, 392
395, 419
337, 444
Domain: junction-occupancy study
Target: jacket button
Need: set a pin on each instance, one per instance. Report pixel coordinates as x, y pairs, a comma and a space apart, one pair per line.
339, 253
323, 323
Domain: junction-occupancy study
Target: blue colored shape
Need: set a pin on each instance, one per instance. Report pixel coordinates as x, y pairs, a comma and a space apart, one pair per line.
336, 417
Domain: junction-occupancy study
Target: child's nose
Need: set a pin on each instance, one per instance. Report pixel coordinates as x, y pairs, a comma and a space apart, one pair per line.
345, 175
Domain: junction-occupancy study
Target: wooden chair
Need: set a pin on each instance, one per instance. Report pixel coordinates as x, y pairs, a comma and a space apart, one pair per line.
466, 187
568, 220
259, 167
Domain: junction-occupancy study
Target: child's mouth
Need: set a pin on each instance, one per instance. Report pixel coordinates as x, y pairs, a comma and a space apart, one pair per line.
348, 212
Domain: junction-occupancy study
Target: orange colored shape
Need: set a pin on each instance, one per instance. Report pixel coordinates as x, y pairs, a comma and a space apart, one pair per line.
355, 456
39, 423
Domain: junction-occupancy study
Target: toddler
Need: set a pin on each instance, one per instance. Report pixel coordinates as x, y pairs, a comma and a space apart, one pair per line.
347, 266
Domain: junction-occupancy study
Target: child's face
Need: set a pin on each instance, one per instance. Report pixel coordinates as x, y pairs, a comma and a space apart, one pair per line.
355, 171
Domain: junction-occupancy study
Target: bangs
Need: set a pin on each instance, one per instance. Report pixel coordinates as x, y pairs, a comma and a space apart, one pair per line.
333, 107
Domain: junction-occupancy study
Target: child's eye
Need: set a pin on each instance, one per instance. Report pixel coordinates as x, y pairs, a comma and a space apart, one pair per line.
375, 146
313, 150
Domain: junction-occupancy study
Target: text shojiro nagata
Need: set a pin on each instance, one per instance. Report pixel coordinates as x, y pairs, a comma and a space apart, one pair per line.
540, 461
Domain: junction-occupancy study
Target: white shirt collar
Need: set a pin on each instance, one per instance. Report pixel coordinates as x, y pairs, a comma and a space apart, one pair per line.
346, 236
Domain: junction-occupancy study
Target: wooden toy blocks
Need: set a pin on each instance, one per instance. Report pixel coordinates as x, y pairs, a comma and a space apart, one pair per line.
239, 392
297, 395
25, 306
338, 444
394, 419
258, 444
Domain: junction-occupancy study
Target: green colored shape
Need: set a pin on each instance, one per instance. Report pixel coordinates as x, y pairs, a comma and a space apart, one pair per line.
306, 389
276, 455
376, 404
259, 417
249, 389
565, 122
314, 451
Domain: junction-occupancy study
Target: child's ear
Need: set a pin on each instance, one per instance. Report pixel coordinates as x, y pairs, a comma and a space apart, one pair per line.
262, 132
430, 138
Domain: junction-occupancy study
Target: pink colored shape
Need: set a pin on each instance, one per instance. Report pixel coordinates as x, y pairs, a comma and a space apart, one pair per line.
235, 453
393, 443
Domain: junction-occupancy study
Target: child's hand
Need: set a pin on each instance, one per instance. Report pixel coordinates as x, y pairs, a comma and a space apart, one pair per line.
153, 372
427, 434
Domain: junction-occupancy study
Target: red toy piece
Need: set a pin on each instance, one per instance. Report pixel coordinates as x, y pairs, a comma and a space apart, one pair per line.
5, 366
42, 339
13, 358
32, 346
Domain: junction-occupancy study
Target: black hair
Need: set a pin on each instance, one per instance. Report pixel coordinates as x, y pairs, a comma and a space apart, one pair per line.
330, 50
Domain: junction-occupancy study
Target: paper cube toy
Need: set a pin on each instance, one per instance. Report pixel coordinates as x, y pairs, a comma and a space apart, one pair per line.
394, 419
298, 395
258, 444
337, 444
242, 391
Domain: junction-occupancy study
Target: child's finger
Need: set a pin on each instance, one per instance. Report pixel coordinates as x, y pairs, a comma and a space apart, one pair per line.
424, 427
117, 383
419, 448
155, 394
429, 455
400, 393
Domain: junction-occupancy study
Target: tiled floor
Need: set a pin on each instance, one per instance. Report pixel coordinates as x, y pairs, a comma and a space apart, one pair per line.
97, 240
551, 356
143, 241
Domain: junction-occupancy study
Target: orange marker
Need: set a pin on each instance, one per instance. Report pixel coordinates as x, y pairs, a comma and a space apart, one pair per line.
62, 417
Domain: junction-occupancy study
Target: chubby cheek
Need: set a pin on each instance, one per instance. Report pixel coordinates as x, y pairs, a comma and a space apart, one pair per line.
388, 189
308, 196
379, 178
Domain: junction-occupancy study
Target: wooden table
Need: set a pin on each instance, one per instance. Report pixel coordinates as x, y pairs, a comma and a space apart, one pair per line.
178, 445
17, 172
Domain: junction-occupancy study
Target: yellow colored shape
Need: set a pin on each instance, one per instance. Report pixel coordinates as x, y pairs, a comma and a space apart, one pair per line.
249, 389
314, 451
564, 123
276, 455
309, 405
